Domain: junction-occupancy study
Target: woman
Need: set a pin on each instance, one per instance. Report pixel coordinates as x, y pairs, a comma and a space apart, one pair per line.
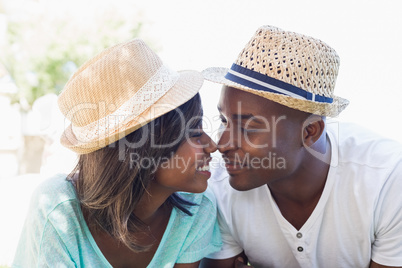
137, 127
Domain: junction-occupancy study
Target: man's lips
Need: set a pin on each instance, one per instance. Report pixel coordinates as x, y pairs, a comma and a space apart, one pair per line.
234, 161
233, 165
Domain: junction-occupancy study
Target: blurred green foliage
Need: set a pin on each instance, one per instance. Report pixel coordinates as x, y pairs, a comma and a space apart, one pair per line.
44, 48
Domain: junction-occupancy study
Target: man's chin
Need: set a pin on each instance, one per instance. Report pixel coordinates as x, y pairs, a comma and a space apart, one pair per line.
240, 183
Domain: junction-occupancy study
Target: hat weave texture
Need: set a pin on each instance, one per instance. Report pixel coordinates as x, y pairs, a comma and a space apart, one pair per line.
118, 91
292, 69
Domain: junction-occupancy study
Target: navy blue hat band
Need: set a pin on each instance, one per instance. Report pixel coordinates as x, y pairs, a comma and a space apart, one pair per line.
258, 81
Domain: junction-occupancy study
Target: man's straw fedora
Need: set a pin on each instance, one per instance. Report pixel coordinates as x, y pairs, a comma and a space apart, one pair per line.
118, 91
292, 69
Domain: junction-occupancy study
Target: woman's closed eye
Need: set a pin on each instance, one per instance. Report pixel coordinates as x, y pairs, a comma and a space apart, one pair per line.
195, 134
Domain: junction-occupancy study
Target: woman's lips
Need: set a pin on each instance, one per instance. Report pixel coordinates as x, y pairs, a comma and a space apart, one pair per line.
204, 168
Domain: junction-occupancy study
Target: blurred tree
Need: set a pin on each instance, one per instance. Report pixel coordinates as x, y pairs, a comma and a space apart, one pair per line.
45, 44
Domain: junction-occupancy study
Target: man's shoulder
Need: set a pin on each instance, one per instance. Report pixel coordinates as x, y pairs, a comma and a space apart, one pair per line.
359, 145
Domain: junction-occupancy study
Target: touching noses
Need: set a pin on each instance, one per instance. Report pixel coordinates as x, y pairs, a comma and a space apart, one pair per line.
210, 145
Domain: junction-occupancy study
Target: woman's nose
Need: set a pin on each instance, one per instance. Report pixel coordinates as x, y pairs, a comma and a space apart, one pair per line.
211, 145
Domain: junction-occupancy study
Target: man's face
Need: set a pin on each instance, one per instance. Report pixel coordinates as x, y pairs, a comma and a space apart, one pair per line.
261, 141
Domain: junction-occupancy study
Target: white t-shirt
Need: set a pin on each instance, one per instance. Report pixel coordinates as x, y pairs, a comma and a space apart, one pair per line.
358, 217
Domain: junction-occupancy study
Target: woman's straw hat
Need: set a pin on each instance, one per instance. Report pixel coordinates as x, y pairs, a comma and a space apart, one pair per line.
118, 91
292, 69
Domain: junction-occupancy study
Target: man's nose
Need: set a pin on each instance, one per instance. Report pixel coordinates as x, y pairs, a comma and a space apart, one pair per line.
226, 141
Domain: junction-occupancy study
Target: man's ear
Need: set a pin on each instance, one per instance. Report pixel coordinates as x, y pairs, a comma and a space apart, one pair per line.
313, 128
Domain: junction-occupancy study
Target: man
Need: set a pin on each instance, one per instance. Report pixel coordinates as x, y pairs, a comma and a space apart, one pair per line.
299, 191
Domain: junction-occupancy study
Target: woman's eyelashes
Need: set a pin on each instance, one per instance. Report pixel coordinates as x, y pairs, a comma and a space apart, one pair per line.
196, 134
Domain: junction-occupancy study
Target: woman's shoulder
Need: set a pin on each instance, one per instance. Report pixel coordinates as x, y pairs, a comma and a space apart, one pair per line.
57, 185
52, 192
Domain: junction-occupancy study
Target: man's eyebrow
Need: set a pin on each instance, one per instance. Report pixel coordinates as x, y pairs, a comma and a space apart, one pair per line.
248, 117
245, 117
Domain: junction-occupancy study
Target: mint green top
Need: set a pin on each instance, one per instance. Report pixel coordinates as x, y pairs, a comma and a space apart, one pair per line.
55, 233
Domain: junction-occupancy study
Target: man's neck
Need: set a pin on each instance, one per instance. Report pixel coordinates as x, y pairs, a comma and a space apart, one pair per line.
298, 195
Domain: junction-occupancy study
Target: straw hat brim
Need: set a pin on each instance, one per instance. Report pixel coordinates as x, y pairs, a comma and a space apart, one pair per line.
186, 87
217, 75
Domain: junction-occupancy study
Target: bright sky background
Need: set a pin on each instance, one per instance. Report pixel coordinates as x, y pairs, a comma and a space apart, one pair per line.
199, 34
366, 34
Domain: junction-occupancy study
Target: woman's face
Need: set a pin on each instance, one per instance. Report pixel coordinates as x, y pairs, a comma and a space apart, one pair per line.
188, 169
